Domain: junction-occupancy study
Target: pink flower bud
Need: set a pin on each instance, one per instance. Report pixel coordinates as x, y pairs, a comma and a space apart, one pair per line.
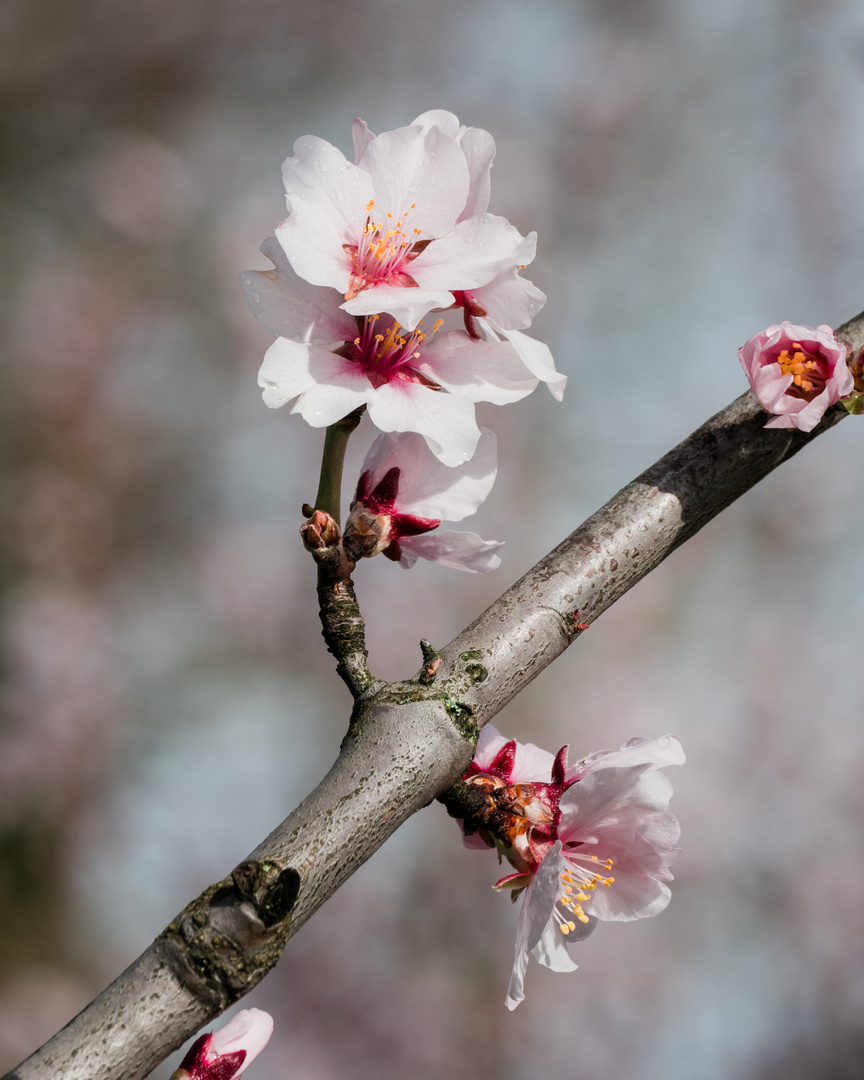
226, 1053
796, 373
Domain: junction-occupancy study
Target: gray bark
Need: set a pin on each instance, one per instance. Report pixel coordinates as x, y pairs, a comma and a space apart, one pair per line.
407, 742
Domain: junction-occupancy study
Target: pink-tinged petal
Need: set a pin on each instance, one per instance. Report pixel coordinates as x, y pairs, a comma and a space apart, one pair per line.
614, 814
445, 421
228, 1052
489, 744
656, 753
314, 243
288, 306
509, 300
285, 372
477, 370
537, 358
406, 305
478, 147
469, 255
457, 550
361, 137
440, 118
532, 764
428, 488
319, 176
324, 382
537, 925
249, 1030
419, 176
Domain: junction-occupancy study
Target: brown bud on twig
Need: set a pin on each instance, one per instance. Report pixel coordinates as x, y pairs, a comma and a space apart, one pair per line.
320, 532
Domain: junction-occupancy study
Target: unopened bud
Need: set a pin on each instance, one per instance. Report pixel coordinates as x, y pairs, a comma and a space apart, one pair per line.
320, 532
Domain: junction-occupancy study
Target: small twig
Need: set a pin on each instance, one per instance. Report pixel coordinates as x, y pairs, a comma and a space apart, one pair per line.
330, 482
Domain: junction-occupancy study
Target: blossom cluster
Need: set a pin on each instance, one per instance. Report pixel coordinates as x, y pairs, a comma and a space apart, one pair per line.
590, 842
369, 250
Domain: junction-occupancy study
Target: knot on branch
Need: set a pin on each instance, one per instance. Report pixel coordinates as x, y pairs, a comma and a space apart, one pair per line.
224, 942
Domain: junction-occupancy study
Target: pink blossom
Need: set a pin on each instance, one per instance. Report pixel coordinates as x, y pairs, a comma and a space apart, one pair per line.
591, 843
796, 372
424, 380
228, 1052
401, 227
404, 493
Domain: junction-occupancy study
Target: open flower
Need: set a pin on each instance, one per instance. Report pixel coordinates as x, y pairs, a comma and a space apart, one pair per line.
404, 494
796, 372
424, 380
590, 843
226, 1053
403, 226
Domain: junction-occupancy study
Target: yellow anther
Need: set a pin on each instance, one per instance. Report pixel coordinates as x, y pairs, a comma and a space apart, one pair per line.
565, 928
369, 205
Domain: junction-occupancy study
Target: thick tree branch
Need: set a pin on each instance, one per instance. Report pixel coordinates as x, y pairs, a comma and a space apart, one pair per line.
407, 743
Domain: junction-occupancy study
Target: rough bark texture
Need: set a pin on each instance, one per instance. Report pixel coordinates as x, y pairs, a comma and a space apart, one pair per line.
406, 744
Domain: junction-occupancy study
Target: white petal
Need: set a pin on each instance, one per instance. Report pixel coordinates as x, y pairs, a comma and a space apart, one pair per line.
458, 550
427, 488
319, 175
289, 307
656, 753
477, 370
445, 421
329, 386
538, 904
478, 147
421, 177
249, 1030
537, 357
361, 136
313, 243
509, 300
489, 742
285, 372
406, 304
447, 121
469, 255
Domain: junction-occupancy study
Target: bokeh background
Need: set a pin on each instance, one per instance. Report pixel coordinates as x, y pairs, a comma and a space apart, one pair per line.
695, 172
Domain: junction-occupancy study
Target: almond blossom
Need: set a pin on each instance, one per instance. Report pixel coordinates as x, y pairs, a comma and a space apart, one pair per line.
423, 380
593, 842
403, 225
796, 372
404, 493
228, 1052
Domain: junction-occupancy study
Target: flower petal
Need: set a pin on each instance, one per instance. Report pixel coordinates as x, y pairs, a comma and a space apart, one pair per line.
477, 370
428, 488
248, 1030
469, 255
420, 176
406, 304
445, 421
458, 550
288, 306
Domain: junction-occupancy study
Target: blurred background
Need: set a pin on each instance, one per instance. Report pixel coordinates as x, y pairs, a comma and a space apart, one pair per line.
695, 172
